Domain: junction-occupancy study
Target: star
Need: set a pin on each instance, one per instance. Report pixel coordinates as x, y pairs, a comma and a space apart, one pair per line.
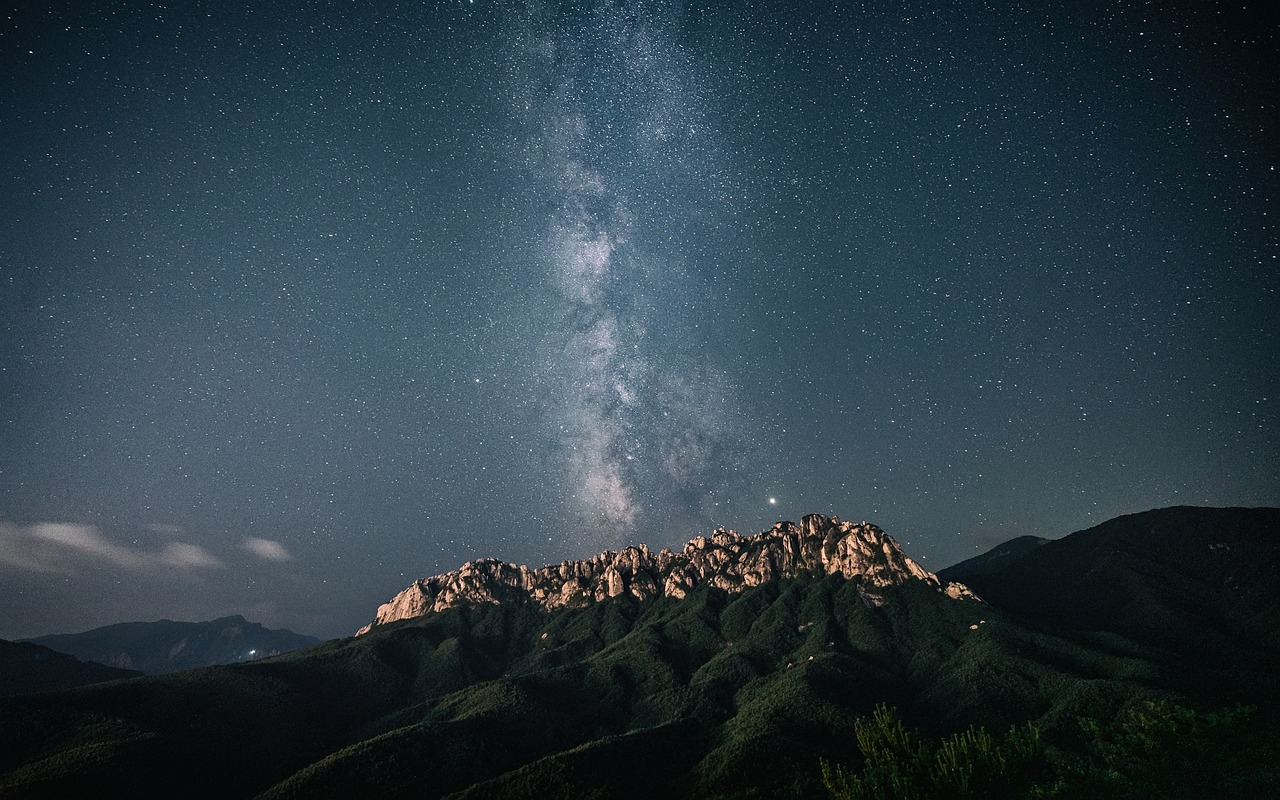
664, 262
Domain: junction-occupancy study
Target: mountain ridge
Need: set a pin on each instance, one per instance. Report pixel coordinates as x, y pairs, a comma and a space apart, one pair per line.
737, 693
166, 645
992, 560
27, 668
725, 560
1185, 578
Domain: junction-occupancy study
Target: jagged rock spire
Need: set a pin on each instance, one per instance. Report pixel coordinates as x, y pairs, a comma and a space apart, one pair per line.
725, 560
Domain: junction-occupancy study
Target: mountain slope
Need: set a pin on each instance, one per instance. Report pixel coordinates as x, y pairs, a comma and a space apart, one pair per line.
167, 646
739, 693
1202, 584
1180, 577
26, 668
725, 692
994, 560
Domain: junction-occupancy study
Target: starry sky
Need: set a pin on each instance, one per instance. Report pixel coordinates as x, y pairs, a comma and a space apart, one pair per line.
304, 301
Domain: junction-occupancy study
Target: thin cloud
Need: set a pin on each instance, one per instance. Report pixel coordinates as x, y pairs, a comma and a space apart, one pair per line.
22, 551
182, 554
66, 547
86, 541
266, 549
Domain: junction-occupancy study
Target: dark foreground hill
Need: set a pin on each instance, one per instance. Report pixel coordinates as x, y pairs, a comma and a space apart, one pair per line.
1199, 584
719, 693
167, 646
993, 560
27, 668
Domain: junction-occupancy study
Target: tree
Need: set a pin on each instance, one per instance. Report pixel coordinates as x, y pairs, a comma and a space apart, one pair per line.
898, 764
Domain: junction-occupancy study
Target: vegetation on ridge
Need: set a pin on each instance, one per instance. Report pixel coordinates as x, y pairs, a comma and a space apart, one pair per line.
1153, 748
718, 695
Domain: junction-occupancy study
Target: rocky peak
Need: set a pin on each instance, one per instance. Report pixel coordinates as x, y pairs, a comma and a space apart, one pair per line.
726, 560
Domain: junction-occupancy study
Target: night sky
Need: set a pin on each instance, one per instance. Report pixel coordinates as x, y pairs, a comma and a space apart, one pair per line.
300, 304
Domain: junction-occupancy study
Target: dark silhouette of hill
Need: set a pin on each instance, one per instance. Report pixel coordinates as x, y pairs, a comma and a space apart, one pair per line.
167, 646
1198, 583
27, 668
729, 694
991, 561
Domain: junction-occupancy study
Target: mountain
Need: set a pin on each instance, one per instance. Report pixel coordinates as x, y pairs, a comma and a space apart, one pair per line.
1202, 584
26, 668
726, 560
722, 689
991, 561
167, 646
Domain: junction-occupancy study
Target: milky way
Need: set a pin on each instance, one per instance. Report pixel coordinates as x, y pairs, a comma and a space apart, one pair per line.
643, 430
302, 301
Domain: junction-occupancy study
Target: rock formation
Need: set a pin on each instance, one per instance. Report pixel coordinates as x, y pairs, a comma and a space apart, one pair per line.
725, 560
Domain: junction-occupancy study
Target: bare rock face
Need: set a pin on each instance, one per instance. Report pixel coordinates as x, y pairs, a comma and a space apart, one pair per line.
726, 560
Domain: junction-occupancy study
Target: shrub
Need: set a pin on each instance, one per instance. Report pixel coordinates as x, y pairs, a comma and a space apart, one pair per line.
900, 765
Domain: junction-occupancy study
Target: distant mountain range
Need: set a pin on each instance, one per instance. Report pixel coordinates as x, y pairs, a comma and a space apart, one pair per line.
810, 658
27, 668
167, 646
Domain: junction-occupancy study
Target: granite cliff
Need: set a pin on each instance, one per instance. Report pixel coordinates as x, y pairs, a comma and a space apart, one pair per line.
726, 560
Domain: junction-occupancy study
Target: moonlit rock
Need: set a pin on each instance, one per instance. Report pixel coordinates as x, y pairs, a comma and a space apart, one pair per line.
726, 560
